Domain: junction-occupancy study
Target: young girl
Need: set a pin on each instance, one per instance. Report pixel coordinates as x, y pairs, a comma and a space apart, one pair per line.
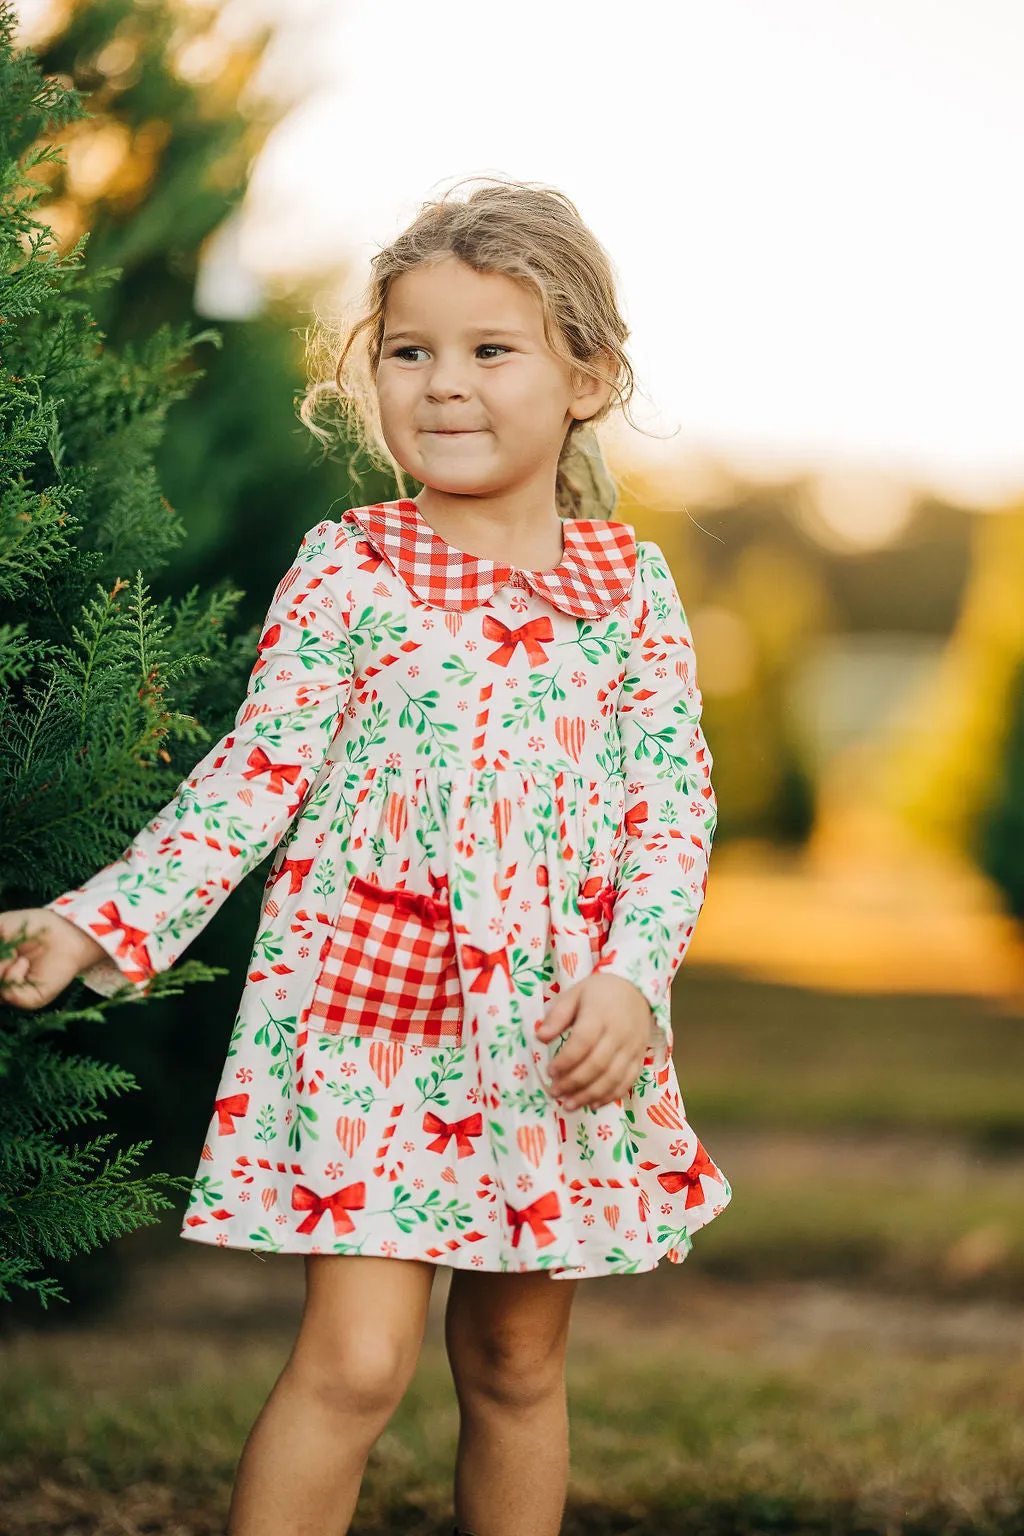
472, 735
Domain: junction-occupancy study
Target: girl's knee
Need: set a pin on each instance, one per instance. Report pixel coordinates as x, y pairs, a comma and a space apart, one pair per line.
507, 1370
361, 1333
362, 1376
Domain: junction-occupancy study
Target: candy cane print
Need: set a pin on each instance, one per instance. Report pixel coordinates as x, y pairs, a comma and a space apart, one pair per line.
389, 1131
483, 711
359, 684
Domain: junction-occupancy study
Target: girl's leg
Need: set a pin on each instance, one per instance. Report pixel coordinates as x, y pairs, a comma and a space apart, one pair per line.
356, 1350
506, 1336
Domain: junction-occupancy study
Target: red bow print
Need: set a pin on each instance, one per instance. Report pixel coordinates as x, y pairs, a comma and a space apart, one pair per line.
351, 1198
297, 869
636, 818
444, 1130
237, 1104
259, 763
535, 1216
132, 945
599, 899
530, 635
672, 1183
487, 962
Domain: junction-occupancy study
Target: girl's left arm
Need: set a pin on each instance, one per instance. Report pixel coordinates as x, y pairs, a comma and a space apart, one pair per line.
670, 807
238, 801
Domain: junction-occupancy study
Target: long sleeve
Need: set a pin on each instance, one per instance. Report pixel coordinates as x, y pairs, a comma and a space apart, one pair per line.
236, 805
670, 806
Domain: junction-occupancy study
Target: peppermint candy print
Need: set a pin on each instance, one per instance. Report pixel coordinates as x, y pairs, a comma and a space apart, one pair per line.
480, 785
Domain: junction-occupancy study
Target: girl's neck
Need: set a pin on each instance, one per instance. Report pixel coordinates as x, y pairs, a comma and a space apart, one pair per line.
526, 535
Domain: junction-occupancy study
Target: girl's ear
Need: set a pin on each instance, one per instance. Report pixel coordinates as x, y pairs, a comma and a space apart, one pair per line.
591, 394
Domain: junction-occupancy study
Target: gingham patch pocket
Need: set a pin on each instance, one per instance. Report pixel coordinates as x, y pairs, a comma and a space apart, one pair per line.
388, 968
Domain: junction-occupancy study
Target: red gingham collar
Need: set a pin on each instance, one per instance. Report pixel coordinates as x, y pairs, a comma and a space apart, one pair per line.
594, 576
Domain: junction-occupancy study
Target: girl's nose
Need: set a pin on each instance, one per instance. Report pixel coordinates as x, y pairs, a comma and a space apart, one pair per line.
446, 386
447, 379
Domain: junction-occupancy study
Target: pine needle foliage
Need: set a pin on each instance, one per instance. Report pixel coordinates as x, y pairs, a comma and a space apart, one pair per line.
96, 675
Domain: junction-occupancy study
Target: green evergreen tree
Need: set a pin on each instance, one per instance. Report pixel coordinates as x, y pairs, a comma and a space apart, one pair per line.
244, 475
97, 677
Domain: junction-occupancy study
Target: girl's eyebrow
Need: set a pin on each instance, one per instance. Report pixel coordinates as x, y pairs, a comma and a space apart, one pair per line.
480, 330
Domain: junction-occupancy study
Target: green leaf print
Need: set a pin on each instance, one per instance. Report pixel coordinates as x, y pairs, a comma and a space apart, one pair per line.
429, 847
509, 1035
621, 1263
326, 882
645, 1083
351, 1097
525, 1101
461, 671
655, 747
548, 1260
264, 1238
238, 1029
406, 1212
311, 652
305, 1120
444, 1064
266, 1124
204, 1189
212, 816
371, 629
273, 732
628, 1143
415, 713
132, 887
374, 720
312, 806
466, 877
675, 1237
528, 708
498, 1136
277, 1037
610, 762
527, 975
660, 579
584, 1146
598, 640
183, 923
267, 946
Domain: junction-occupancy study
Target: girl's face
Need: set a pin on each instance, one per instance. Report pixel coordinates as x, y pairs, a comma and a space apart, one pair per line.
473, 401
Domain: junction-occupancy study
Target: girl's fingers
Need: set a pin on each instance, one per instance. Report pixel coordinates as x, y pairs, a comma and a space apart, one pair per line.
598, 1089
588, 1052
559, 1016
22, 995
621, 1083
15, 969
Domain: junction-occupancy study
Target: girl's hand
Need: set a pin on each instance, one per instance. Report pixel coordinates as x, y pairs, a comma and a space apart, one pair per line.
50, 955
611, 1027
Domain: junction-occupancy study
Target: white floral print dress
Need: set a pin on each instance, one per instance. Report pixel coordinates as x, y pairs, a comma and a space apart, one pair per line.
482, 783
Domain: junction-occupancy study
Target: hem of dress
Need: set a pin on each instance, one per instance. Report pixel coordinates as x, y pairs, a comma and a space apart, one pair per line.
674, 1254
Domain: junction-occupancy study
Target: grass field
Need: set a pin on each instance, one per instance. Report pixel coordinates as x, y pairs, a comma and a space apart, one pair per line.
751, 1055
841, 1355
698, 1407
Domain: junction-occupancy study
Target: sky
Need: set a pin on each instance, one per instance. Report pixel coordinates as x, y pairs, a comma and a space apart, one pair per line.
812, 206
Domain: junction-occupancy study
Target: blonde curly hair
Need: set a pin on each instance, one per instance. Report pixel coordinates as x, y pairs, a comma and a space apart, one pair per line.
531, 233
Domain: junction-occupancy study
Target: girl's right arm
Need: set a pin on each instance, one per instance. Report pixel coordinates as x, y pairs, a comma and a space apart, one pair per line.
150, 903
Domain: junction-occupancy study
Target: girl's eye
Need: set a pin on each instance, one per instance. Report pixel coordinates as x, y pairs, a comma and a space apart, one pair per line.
485, 346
